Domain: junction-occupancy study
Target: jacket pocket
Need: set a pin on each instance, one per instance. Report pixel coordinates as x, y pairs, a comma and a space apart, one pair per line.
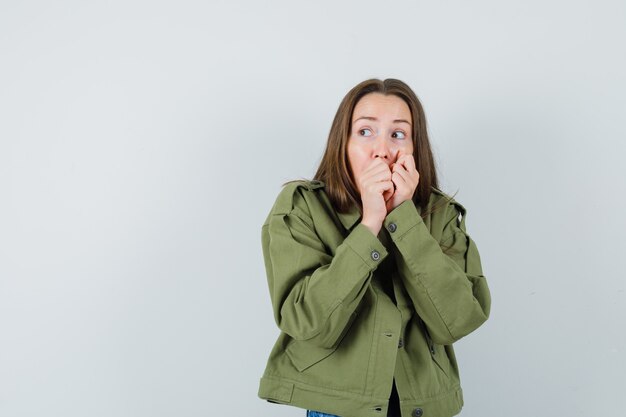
441, 359
437, 352
303, 355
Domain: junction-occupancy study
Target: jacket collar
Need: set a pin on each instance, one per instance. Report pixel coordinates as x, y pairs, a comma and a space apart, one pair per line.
348, 219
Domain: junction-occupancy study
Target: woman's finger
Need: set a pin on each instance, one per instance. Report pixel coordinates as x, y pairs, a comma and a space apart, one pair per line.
404, 175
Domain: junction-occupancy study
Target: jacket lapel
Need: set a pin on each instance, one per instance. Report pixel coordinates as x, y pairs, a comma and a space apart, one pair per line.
349, 219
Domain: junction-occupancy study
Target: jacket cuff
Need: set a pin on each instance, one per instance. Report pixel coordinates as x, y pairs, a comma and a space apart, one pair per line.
401, 219
367, 245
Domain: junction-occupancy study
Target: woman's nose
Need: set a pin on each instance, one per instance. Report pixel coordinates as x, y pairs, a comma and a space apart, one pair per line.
381, 149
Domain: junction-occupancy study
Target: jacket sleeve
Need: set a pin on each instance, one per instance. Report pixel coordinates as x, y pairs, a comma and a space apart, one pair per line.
314, 294
443, 279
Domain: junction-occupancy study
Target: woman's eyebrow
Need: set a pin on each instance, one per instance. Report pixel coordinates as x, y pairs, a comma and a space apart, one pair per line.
375, 119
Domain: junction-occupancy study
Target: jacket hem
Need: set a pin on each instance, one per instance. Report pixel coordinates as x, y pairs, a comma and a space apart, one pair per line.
346, 404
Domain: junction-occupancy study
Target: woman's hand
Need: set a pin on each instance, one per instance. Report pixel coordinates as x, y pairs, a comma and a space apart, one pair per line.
376, 190
405, 179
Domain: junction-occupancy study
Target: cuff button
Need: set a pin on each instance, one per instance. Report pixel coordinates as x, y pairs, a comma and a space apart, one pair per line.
392, 227
375, 255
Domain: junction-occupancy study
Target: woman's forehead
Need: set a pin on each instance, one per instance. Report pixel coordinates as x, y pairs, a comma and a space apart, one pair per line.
375, 106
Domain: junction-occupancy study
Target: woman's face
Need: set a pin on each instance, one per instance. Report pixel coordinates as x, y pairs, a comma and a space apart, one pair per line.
381, 127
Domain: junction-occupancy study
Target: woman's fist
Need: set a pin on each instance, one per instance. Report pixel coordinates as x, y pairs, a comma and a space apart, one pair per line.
405, 178
377, 189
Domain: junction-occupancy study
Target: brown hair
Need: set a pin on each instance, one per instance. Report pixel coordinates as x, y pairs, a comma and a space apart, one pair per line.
334, 169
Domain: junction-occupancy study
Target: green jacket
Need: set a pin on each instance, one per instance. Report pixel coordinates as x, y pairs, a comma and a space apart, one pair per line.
343, 338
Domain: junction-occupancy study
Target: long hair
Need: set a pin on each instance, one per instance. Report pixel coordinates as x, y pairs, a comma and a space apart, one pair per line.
334, 169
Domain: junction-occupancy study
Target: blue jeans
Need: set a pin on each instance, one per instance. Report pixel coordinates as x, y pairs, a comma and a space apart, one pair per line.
311, 413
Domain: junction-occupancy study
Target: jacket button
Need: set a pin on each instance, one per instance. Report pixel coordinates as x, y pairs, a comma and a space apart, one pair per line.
375, 255
418, 412
392, 227
400, 343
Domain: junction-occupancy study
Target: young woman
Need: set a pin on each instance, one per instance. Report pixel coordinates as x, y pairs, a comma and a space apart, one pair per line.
371, 271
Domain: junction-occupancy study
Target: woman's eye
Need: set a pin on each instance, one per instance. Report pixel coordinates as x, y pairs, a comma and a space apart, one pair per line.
365, 130
400, 133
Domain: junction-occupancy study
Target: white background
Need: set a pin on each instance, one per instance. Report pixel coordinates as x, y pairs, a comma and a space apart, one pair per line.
142, 144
